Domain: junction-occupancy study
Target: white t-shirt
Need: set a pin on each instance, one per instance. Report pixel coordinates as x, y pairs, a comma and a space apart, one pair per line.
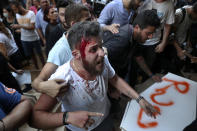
182, 27
9, 43
61, 52
85, 95
27, 20
165, 12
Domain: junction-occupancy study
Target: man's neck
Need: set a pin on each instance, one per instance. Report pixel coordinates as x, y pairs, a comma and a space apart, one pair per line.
80, 70
125, 5
24, 12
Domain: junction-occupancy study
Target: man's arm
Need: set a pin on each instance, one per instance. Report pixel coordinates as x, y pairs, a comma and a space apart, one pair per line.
42, 118
41, 35
18, 26
141, 62
160, 48
3, 50
19, 115
124, 88
51, 87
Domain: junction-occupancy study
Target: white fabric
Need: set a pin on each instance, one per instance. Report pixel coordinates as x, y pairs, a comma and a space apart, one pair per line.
182, 27
61, 52
10, 44
27, 20
165, 11
85, 95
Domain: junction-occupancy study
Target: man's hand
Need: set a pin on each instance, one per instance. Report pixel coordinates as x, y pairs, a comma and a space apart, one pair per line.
156, 78
194, 60
148, 108
82, 119
181, 55
20, 72
55, 87
114, 28
15, 26
160, 48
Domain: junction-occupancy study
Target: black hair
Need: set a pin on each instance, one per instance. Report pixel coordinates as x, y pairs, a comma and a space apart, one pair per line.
46, 12
16, 3
194, 7
147, 18
73, 12
63, 3
8, 8
83, 30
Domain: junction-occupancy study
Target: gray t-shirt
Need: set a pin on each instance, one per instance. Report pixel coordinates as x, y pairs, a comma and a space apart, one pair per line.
9, 43
182, 26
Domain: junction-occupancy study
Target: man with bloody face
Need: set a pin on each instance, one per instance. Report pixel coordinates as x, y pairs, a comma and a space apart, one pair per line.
87, 75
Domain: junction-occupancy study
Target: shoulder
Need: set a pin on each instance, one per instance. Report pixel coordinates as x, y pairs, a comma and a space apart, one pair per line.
61, 72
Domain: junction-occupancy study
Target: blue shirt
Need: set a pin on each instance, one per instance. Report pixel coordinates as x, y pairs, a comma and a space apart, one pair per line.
114, 12
40, 22
61, 52
9, 98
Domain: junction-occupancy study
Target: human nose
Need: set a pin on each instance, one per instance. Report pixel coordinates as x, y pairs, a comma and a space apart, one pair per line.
150, 36
101, 52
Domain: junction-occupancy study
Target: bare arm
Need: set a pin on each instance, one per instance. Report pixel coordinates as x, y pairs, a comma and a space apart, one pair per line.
3, 50
41, 35
163, 43
53, 87
18, 26
19, 115
42, 117
141, 62
124, 88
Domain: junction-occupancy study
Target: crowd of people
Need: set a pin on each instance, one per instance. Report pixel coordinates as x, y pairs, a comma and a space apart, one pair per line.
95, 52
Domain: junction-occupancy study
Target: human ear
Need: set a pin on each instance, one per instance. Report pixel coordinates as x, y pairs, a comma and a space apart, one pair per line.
76, 54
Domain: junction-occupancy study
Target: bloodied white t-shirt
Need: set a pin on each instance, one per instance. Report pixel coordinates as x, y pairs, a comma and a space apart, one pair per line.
85, 95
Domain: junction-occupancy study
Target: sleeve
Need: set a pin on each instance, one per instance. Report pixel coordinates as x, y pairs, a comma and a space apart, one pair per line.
55, 56
9, 98
62, 72
170, 15
2, 38
178, 16
106, 15
33, 17
37, 23
110, 69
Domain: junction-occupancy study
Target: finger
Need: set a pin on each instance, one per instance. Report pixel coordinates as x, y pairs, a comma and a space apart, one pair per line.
59, 80
89, 122
95, 114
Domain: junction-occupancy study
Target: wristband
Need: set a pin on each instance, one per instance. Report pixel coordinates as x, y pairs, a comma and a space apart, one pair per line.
3, 125
139, 98
65, 118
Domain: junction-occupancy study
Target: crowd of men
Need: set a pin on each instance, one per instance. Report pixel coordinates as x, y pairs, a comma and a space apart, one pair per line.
91, 58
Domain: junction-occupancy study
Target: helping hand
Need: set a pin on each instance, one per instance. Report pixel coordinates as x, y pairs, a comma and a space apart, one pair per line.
55, 87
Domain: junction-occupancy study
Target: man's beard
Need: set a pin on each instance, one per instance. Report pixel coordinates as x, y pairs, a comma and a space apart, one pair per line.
91, 67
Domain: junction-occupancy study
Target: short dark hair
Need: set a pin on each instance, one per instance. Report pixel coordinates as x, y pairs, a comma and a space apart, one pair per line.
83, 30
73, 13
194, 7
16, 3
147, 18
63, 3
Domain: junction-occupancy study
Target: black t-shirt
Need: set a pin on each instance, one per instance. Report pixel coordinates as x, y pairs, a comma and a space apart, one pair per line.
53, 33
119, 46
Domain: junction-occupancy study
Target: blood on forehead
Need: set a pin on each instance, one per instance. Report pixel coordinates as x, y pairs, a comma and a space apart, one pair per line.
82, 46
